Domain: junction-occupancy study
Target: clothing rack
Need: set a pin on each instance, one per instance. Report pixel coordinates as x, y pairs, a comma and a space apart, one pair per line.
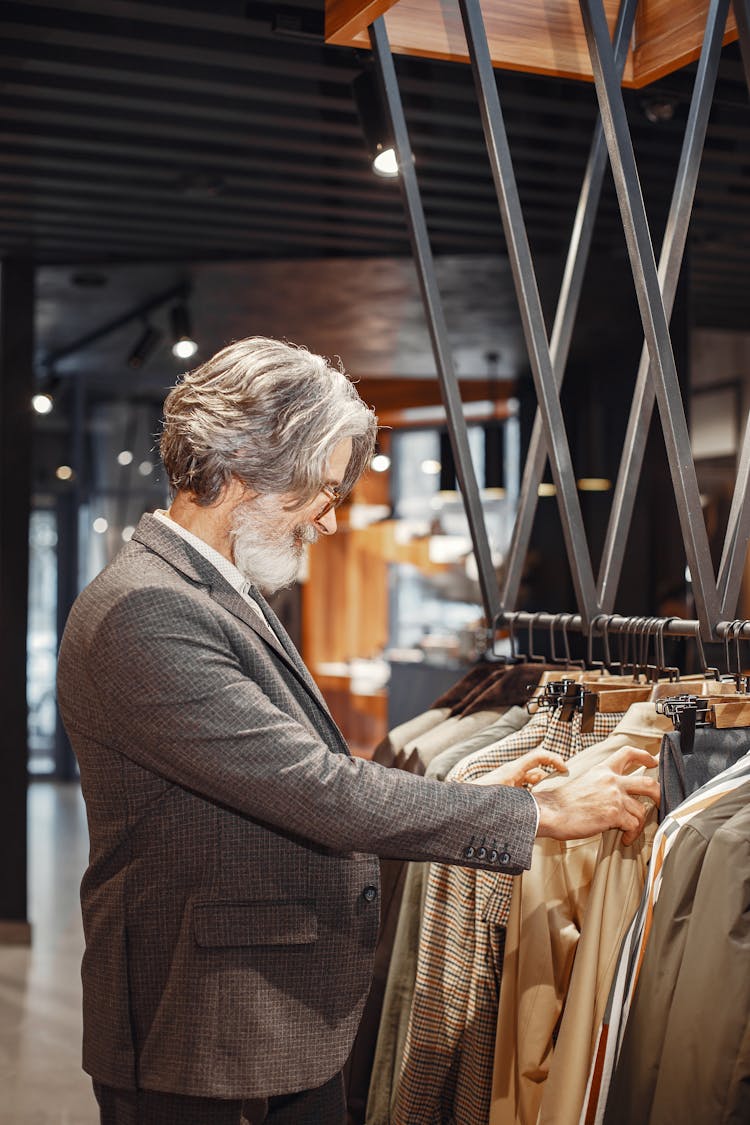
645, 629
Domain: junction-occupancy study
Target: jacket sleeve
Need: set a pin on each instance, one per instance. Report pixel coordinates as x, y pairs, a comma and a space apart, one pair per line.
171, 695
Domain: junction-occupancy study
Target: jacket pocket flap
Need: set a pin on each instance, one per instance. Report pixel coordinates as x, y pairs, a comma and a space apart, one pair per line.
225, 924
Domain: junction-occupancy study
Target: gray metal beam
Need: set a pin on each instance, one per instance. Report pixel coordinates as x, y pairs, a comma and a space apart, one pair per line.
530, 307
424, 262
670, 262
732, 564
741, 10
656, 328
562, 331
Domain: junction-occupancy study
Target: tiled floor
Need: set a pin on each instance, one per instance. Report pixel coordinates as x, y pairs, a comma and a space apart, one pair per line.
41, 1081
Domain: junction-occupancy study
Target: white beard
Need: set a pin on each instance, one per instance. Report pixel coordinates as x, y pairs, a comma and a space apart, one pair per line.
267, 552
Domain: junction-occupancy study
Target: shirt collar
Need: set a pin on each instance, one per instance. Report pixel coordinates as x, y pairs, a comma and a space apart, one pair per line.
227, 569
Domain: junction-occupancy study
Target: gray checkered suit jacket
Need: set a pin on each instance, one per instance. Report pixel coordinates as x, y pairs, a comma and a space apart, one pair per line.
230, 903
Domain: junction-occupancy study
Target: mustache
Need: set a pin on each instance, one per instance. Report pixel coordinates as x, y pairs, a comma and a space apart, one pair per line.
306, 533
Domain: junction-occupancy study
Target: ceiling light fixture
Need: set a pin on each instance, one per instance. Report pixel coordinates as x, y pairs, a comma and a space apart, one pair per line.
375, 126
43, 402
380, 463
144, 347
659, 108
183, 346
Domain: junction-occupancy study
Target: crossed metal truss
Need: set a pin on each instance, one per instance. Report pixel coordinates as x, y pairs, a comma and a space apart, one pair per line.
656, 381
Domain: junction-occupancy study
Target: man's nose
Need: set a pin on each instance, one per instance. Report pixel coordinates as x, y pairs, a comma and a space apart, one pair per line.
327, 523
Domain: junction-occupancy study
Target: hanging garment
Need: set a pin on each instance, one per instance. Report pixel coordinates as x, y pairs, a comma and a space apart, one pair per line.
565, 928
609, 1039
415, 758
693, 755
673, 1066
490, 689
392, 745
399, 989
705, 1070
447, 1068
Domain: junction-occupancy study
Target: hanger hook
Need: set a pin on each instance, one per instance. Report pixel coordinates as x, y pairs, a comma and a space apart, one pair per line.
605, 637
552, 649
593, 624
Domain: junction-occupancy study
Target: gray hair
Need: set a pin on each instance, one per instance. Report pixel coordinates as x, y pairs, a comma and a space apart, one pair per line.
269, 413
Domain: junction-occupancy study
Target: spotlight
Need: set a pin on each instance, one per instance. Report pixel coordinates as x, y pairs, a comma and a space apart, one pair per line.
659, 109
386, 163
374, 122
380, 463
64, 472
145, 346
430, 467
43, 402
125, 457
183, 346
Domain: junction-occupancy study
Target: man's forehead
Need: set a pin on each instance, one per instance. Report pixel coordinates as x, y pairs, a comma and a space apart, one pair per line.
338, 462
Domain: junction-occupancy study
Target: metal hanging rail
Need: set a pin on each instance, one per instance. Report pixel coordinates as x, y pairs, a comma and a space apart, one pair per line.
656, 380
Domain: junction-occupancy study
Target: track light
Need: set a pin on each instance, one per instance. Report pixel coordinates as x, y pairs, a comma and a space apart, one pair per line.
144, 347
43, 400
183, 346
375, 126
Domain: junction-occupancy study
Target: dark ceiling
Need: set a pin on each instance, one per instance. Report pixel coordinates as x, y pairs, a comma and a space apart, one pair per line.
143, 141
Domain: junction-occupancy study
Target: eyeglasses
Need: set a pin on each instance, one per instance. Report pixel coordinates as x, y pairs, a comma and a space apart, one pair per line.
334, 498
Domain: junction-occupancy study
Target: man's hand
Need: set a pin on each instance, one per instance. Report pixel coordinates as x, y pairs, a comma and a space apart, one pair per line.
605, 797
526, 770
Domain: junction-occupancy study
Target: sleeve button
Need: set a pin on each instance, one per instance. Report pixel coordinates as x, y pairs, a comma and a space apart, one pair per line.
469, 853
482, 853
493, 856
369, 894
505, 857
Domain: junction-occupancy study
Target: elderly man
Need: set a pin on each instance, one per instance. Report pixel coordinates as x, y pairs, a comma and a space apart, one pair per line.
231, 902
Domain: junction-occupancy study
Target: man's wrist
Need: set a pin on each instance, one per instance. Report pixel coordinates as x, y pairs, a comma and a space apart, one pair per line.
549, 813
538, 813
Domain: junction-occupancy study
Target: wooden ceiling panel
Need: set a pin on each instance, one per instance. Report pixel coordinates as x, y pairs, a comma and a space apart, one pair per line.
535, 36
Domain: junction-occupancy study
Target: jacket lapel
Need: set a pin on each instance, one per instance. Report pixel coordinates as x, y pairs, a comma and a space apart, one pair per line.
198, 570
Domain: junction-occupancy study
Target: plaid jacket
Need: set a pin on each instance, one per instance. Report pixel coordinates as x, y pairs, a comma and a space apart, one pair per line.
230, 905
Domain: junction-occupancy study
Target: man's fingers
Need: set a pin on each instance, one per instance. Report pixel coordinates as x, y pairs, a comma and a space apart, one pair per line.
633, 818
531, 777
641, 786
629, 758
543, 758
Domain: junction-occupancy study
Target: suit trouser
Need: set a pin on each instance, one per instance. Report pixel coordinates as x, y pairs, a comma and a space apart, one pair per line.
323, 1106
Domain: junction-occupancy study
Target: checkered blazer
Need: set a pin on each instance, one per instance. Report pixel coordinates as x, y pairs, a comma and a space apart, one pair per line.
230, 905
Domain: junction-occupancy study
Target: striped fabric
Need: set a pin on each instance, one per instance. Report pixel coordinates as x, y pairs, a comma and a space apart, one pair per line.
446, 1075
634, 946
